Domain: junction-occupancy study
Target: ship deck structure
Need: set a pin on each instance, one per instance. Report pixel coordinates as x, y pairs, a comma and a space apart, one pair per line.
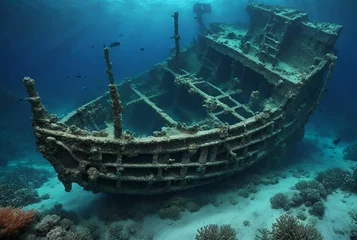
233, 97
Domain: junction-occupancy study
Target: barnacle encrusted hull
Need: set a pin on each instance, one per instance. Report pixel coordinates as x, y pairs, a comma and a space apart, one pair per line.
235, 96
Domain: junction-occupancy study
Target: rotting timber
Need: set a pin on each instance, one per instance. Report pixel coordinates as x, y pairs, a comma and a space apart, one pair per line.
237, 97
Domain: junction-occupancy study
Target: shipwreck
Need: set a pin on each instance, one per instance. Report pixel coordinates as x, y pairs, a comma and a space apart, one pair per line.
235, 96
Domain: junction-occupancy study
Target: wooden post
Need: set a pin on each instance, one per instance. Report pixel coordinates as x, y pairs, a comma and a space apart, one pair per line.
40, 114
176, 37
117, 109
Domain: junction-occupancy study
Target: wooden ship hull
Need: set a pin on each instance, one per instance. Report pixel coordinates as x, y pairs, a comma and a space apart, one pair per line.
235, 96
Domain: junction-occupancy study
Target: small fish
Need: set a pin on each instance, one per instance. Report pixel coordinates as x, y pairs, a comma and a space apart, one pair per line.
336, 141
331, 147
114, 44
84, 77
92, 46
78, 76
67, 76
23, 99
142, 49
121, 35
84, 88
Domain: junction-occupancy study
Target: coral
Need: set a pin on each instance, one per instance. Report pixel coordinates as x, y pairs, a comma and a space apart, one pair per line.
31, 237
83, 233
280, 200
176, 201
353, 215
94, 229
350, 182
318, 209
214, 232
192, 207
125, 230
53, 227
233, 200
14, 196
269, 180
47, 224
14, 220
251, 188
57, 233
57, 209
66, 223
263, 234
353, 231
116, 232
310, 195
301, 215
311, 191
243, 193
133, 228
287, 227
174, 206
24, 177
172, 212
246, 223
333, 178
296, 200
17, 185
146, 236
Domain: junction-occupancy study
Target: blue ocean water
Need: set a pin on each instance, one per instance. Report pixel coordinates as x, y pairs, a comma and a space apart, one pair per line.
60, 45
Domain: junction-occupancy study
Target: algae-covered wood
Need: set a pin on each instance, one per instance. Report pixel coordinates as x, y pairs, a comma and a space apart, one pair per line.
234, 96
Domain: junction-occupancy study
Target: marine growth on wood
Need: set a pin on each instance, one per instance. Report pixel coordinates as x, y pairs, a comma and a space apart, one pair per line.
238, 96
